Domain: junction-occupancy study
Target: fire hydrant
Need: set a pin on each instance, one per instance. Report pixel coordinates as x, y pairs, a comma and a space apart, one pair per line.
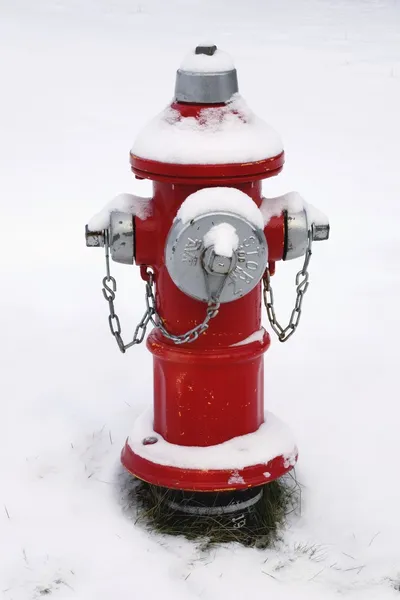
206, 244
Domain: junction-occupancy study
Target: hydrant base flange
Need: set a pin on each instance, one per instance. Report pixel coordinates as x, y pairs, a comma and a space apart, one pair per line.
146, 452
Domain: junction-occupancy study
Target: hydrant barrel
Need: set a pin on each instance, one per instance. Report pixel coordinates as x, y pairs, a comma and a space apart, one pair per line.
206, 397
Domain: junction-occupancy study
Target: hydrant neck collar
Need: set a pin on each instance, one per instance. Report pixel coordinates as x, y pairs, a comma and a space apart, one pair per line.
206, 76
205, 88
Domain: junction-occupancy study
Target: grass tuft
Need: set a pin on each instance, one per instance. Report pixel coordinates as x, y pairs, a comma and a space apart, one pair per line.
149, 506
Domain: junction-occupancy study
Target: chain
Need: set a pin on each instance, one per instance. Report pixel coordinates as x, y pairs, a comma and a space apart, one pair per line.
109, 291
192, 334
151, 315
302, 284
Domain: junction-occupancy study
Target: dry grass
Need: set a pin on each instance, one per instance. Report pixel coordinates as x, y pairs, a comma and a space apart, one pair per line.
150, 506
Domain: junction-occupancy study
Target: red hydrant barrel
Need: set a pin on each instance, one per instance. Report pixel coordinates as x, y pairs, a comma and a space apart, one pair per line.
209, 393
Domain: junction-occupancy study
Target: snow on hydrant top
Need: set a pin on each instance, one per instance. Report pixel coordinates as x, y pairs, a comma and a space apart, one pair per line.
207, 58
225, 131
227, 134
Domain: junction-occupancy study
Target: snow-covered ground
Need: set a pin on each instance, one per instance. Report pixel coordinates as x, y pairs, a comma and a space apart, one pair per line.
78, 79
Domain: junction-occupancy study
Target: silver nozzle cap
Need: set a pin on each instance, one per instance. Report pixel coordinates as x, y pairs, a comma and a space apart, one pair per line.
206, 76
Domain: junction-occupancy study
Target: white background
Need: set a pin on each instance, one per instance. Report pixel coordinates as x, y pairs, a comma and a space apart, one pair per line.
78, 79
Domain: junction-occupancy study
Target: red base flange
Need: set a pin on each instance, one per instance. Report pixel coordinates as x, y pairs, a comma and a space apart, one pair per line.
205, 480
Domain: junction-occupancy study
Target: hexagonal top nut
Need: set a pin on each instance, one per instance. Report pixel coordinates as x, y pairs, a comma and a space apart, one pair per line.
94, 239
216, 264
320, 232
209, 49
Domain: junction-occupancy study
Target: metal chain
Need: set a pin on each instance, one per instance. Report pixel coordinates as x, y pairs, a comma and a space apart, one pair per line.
151, 312
192, 334
302, 284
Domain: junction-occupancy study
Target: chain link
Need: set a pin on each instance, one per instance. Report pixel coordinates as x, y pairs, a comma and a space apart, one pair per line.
192, 334
150, 315
302, 284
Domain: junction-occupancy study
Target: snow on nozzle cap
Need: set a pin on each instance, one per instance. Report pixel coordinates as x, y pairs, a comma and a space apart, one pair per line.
206, 76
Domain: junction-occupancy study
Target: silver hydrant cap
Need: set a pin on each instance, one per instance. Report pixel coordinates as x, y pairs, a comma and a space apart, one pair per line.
206, 76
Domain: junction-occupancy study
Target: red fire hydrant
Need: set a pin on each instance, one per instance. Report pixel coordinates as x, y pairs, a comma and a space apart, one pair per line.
206, 243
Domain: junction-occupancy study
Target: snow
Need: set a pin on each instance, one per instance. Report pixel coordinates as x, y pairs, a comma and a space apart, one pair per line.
79, 79
315, 215
257, 336
220, 199
228, 134
293, 203
202, 63
127, 203
224, 239
272, 439
273, 207
236, 478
